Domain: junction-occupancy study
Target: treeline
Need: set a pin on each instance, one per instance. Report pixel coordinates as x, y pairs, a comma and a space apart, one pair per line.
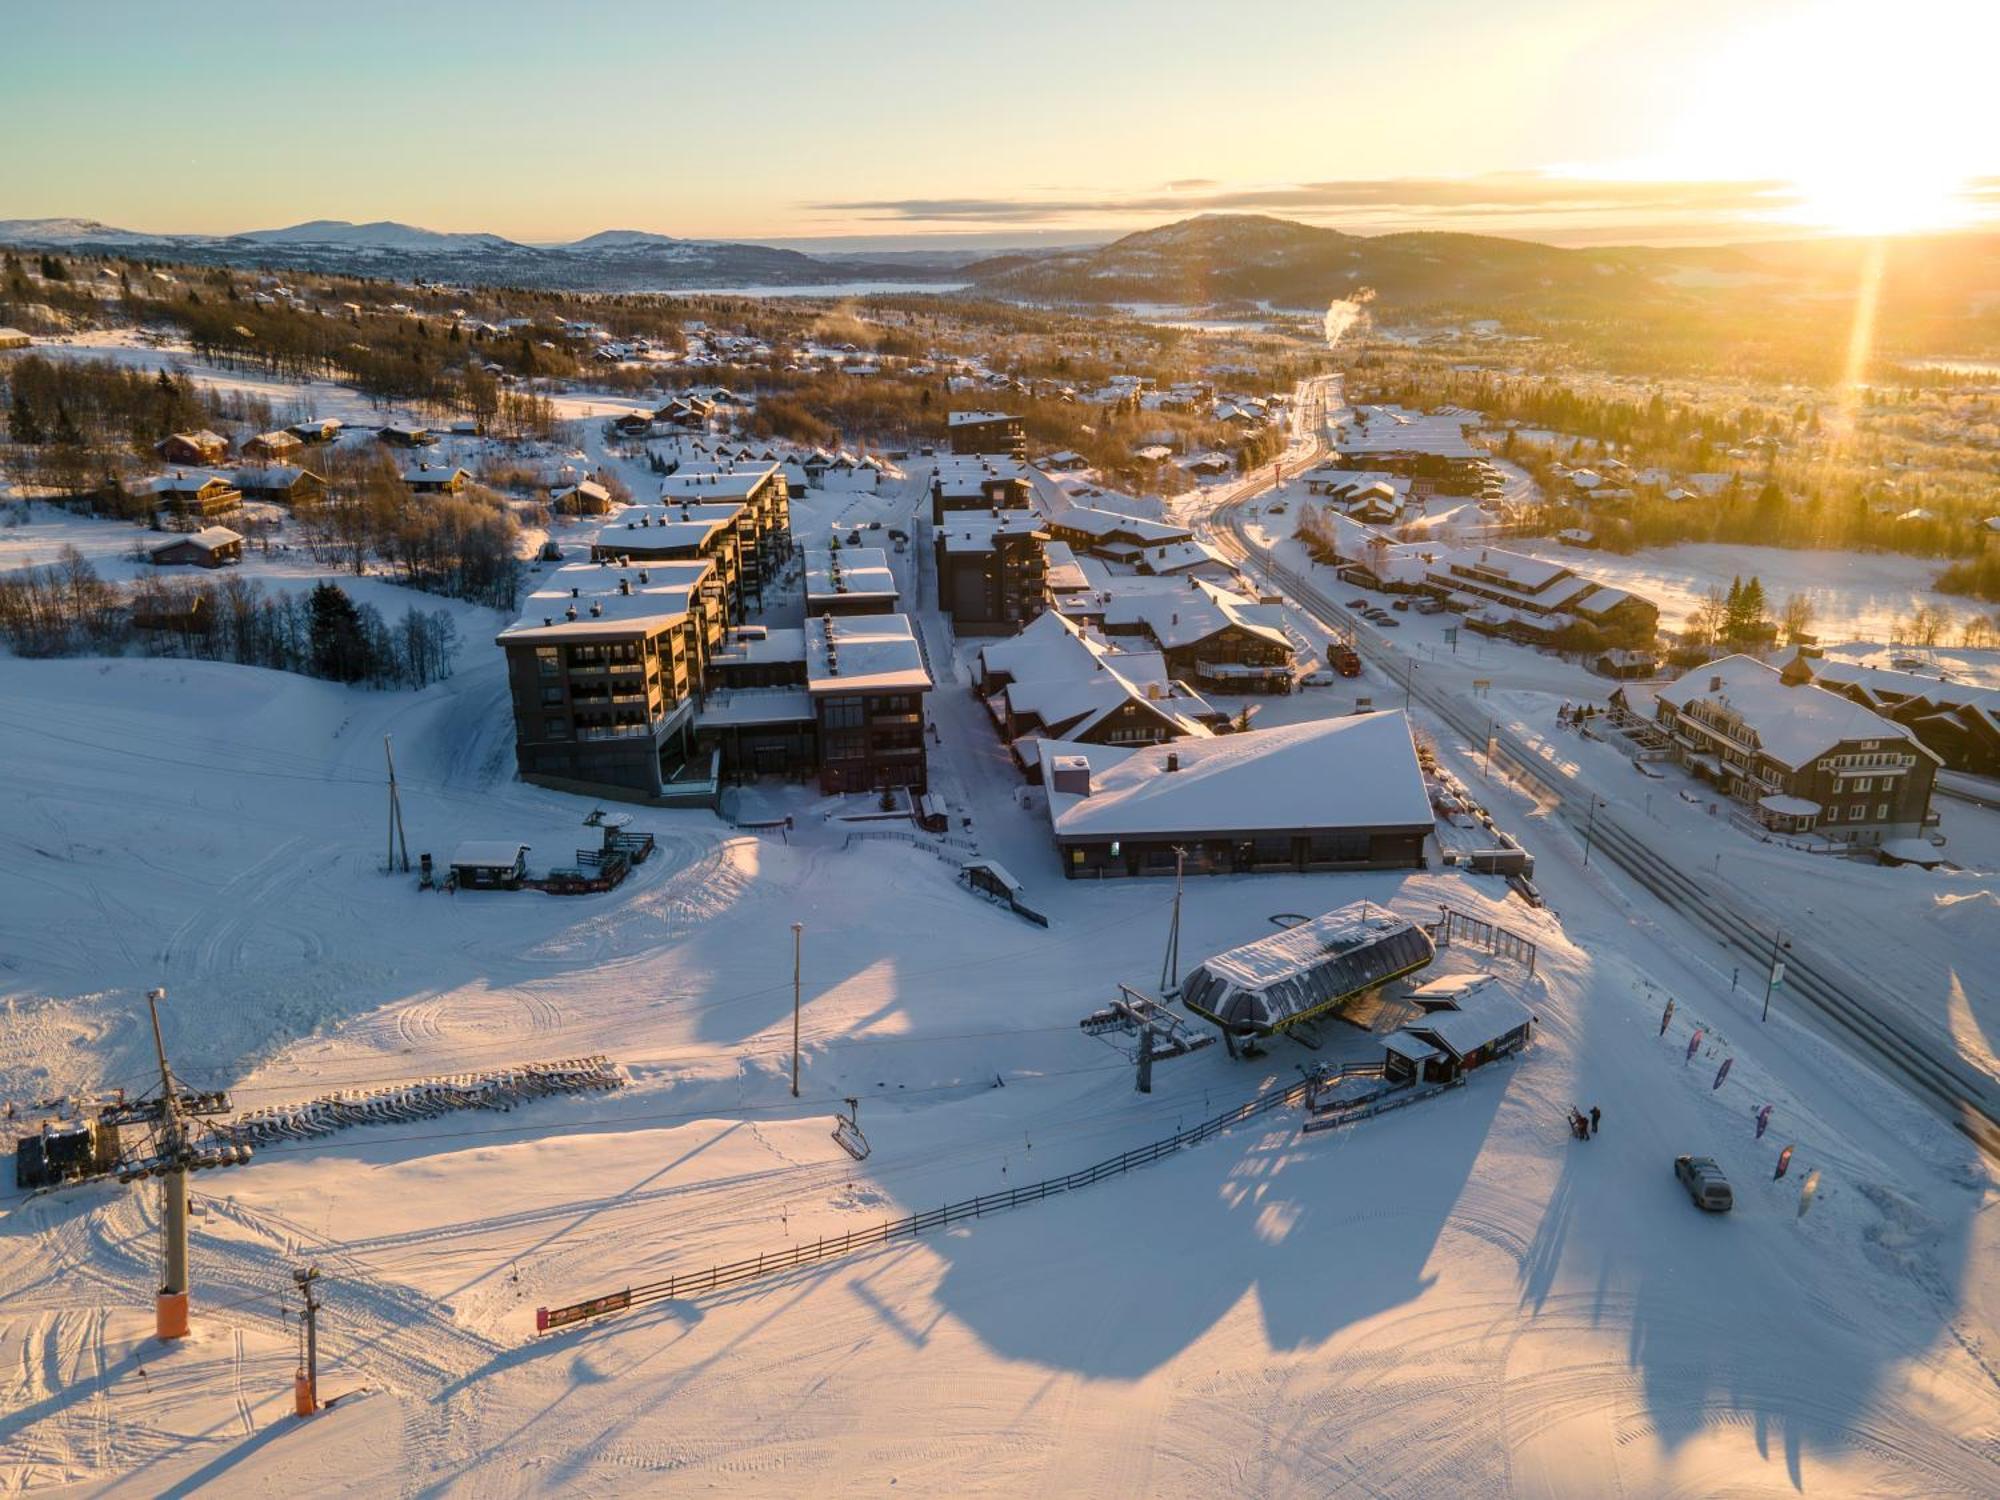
462, 546
66, 609
72, 423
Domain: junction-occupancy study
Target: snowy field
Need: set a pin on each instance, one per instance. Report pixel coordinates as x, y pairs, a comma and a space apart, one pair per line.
1854, 594
1452, 1299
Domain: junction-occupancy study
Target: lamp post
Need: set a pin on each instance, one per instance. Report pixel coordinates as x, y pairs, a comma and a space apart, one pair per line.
1590, 827
798, 939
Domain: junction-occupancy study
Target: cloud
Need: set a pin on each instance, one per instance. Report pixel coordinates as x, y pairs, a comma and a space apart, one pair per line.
1513, 193
1189, 184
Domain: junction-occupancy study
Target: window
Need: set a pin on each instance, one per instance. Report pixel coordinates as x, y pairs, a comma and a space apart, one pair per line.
556, 728
1857, 812
552, 695
1881, 812
845, 745
549, 660
1864, 784
841, 713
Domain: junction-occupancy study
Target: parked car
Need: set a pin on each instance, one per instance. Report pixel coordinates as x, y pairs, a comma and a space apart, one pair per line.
1401, 605
1388, 619
1705, 1183
1318, 679
1357, 604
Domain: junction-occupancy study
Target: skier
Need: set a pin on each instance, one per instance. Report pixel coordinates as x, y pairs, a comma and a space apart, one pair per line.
1593, 1119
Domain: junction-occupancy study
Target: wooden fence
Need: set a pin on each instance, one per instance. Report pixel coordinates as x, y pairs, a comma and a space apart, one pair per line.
808, 1253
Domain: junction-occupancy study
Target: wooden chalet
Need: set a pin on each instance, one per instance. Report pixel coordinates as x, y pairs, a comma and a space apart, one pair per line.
203, 447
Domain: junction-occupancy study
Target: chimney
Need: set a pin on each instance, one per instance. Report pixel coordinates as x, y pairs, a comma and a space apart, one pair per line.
548, 619
597, 609
645, 576
1715, 683
575, 593
1173, 760
1070, 774
570, 613
625, 586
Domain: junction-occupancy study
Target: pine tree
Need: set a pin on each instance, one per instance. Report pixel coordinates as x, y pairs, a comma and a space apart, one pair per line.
22, 423
337, 643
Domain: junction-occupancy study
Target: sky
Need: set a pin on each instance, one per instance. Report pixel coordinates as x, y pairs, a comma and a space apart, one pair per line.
1567, 120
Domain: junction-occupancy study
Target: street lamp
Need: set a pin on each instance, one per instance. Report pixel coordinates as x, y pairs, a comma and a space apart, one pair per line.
1590, 826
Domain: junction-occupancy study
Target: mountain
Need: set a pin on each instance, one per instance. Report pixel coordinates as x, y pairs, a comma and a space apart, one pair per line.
614, 260
383, 234
62, 234
1253, 258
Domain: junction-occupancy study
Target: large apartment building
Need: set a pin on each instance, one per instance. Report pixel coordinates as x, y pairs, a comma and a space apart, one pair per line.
866, 677
992, 573
990, 484
987, 432
605, 667
764, 526
1801, 759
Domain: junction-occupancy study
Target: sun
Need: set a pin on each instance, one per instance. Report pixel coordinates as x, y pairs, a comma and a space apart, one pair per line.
1858, 196
1858, 127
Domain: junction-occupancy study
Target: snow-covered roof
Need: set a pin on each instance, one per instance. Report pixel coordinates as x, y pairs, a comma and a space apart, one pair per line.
208, 539
1792, 724
711, 482
1391, 429
488, 853
864, 654
970, 418
180, 482
1354, 772
1299, 971
1181, 611
272, 476
427, 473
765, 705
848, 573
759, 645
589, 489
1483, 1018
610, 601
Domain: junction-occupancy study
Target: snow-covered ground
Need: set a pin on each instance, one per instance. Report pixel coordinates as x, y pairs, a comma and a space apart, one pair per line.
1454, 1298
1858, 594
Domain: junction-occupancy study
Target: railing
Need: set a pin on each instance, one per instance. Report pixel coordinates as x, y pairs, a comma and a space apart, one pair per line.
772, 1262
1498, 940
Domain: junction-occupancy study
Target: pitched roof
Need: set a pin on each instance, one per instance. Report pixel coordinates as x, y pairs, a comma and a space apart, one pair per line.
1356, 772
1793, 724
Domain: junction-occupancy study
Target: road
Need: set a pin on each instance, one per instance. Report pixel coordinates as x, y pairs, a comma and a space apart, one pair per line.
1967, 1098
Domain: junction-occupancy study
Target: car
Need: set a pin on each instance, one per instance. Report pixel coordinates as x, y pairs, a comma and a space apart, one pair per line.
1705, 1183
1401, 606
1390, 620
1318, 679
874, 525
1357, 604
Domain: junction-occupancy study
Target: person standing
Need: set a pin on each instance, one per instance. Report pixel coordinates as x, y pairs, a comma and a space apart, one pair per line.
1593, 1119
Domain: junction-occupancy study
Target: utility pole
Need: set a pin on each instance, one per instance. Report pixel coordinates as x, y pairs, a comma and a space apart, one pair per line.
1774, 974
170, 1310
798, 939
1589, 827
1170, 968
305, 1385
396, 835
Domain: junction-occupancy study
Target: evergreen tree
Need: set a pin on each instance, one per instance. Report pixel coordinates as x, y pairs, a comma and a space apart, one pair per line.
337, 641
22, 423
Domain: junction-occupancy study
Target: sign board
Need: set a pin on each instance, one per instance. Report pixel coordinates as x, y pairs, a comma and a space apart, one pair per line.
561, 1317
1451, 635
1481, 684
1777, 973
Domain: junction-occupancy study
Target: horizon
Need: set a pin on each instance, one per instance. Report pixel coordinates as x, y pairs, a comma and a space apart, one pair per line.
1703, 126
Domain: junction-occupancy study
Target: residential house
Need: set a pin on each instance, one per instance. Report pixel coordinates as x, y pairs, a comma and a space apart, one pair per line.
1800, 758
280, 484
203, 447
211, 547
272, 447
436, 479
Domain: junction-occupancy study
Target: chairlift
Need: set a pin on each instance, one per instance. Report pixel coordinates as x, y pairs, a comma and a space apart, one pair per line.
847, 1131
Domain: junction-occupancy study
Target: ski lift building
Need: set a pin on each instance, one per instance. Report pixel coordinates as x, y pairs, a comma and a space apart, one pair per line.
1266, 987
